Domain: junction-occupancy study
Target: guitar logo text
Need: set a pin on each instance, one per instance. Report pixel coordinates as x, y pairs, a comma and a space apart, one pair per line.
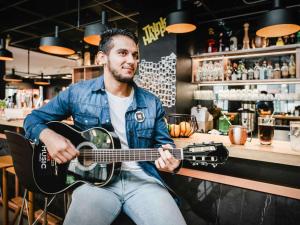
43, 158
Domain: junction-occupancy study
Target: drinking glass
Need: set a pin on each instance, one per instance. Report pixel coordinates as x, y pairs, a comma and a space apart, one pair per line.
266, 130
295, 135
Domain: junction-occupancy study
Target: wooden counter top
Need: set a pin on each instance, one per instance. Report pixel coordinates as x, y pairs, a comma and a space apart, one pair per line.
19, 123
12, 123
279, 152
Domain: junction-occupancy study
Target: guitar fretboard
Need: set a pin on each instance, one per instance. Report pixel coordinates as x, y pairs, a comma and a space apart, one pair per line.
125, 155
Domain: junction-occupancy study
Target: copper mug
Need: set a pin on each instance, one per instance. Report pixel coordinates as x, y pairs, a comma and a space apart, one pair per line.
238, 134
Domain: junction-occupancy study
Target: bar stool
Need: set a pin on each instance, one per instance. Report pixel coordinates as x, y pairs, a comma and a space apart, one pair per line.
21, 151
5, 162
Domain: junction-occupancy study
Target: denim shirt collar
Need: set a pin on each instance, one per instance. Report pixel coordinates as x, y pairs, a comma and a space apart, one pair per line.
139, 99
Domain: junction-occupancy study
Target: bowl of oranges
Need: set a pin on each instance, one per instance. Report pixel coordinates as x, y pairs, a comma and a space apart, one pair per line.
181, 125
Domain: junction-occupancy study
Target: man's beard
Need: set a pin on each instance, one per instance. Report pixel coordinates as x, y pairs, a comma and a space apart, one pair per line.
119, 76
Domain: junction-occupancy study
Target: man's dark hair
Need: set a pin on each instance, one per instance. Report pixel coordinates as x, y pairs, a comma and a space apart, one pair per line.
107, 37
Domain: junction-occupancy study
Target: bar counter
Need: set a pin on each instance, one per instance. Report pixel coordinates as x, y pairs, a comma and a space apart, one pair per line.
273, 169
278, 152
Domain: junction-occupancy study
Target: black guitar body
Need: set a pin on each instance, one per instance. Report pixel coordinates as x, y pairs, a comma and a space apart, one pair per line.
53, 178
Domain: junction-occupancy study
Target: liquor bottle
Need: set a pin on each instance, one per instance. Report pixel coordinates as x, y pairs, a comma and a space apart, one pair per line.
228, 70
263, 71
241, 68
286, 39
246, 41
279, 41
277, 71
234, 75
269, 70
226, 43
292, 39
284, 70
292, 67
250, 74
211, 43
298, 37
256, 71
221, 46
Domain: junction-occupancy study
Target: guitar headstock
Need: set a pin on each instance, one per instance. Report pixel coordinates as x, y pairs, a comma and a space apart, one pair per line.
206, 153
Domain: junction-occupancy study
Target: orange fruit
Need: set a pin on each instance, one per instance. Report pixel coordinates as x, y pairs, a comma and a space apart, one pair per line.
174, 130
185, 129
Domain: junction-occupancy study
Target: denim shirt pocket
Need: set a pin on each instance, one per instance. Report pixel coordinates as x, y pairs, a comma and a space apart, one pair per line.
145, 137
86, 121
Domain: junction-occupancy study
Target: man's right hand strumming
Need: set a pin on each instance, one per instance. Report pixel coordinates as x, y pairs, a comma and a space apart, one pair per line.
58, 147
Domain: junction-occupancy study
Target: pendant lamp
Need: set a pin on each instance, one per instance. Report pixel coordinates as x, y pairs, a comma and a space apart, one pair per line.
278, 22
4, 53
180, 21
42, 81
12, 77
92, 33
55, 45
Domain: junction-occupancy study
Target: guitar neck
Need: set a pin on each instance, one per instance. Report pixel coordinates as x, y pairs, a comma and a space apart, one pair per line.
126, 155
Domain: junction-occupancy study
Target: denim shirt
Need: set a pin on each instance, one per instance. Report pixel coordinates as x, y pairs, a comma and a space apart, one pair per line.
87, 103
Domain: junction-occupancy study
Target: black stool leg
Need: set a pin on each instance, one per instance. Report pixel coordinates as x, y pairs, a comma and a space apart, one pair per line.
22, 208
45, 211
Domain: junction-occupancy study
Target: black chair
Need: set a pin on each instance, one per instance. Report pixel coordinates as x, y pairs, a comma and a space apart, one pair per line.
21, 152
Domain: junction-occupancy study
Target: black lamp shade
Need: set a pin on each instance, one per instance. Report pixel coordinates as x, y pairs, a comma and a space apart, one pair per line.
278, 22
5, 54
12, 77
180, 22
55, 45
92, 33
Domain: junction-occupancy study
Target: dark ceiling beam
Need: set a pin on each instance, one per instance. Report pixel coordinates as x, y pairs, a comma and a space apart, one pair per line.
54, 16
13, 5
43, 17
208, 9
68, 29
118, 12
26, 33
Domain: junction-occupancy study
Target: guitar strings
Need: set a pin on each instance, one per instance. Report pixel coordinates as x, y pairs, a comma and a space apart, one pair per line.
112, 155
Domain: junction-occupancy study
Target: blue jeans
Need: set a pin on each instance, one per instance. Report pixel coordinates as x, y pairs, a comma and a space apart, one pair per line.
142, 197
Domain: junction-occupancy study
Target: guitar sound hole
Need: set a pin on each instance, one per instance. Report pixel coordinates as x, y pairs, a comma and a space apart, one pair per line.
86, 158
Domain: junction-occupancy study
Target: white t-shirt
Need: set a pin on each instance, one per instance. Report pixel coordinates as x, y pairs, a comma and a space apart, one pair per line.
117, 109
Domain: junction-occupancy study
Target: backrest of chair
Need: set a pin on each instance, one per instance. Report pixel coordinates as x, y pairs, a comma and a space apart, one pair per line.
21, 152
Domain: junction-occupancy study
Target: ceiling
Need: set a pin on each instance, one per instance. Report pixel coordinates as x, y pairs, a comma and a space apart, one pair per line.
28, 20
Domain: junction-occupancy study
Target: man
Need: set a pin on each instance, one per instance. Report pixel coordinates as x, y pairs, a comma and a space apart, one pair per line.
136, 116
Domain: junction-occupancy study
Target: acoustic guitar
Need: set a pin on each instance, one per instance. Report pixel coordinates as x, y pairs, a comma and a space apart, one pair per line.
101, 156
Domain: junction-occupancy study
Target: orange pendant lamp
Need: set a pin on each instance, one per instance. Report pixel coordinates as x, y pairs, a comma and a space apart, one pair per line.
12, 78
4, 53
278, 22
55, 45
42, 81
180, 21
92, 33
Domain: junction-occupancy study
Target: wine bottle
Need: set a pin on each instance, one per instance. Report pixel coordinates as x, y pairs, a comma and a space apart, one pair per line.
211, 42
